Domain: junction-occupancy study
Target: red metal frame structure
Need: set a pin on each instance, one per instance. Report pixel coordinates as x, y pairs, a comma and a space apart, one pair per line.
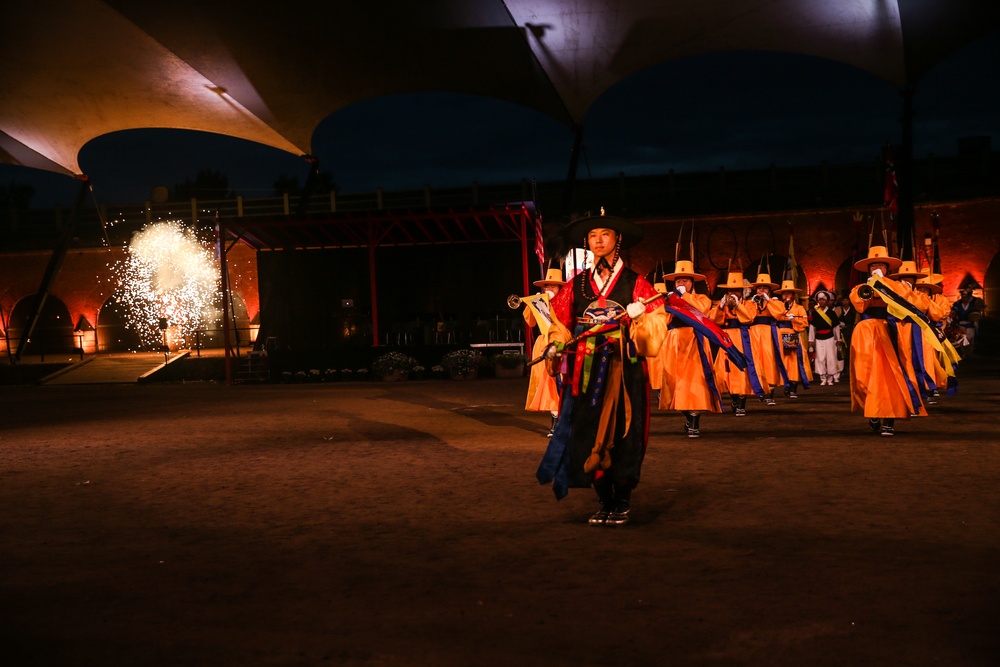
371, 229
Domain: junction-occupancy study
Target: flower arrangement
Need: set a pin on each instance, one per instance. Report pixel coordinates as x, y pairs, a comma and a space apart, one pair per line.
510, 360
462, 362
393, 362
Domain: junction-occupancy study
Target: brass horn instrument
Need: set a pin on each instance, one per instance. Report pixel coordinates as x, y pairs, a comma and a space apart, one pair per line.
866, 292
514, 302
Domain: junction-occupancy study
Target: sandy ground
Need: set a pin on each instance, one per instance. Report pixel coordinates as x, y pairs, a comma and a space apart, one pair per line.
400, 524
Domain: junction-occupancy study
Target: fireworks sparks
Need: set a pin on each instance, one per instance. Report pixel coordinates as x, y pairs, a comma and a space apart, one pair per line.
168, 273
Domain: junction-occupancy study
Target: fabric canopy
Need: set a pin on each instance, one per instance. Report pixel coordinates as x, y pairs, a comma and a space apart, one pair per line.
271, 72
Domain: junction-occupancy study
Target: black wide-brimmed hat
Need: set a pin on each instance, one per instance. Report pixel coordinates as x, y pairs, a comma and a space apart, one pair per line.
576, 230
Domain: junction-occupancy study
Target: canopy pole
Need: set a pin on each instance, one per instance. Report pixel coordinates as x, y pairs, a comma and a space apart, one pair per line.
220, 249
528, 340
574, 160
52, 270
905, 187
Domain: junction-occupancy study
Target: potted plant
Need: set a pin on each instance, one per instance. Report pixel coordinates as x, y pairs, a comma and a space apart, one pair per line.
462, 364
509, 364
393, 366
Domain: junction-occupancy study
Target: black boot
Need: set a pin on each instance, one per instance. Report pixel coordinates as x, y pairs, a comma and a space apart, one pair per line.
553, 429
769, 399
875, 424
887, 427
741, 407
691, 424
606, 496
793, 387
620, 515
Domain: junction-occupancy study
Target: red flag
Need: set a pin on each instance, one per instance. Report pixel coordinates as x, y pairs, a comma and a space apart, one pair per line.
891, 186
539, 240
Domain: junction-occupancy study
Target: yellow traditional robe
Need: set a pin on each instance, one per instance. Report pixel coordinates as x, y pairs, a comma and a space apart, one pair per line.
731, 379
878, 378
684, 385
761, 342
791, 358
543, 393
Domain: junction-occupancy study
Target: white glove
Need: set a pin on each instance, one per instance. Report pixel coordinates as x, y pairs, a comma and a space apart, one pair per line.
680, 289
789, 317
878, 272
550, 352
635, 310
550, 293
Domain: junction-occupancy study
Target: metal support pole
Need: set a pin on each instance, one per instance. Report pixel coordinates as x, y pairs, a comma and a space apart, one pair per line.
904, 171
220, 251
524, 274
52, 270
371, 280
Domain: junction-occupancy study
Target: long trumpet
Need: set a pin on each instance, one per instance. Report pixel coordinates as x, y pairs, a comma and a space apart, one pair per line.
514, 301
866, 292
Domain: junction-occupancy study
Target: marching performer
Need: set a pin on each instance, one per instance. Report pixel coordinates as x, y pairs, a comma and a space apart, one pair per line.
881, 386
937, 312
688, 383
604, 324
543, 391
911, 343
791, 324
731, 313
765, 343
824, 336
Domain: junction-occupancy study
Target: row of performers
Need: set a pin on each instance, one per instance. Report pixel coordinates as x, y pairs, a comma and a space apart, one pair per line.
766, 326
604, 327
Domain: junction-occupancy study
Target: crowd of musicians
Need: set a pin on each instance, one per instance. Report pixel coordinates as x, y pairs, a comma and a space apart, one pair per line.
614, 345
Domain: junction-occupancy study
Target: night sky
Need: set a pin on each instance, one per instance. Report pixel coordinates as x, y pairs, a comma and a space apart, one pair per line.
733, 110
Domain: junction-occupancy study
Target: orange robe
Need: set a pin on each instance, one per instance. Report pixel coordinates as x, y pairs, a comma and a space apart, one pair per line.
730, 378
769, 364
790, 358
684, 385
879, 386
543, 394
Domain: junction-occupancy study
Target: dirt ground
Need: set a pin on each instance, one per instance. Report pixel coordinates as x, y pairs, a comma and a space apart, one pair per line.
385, 524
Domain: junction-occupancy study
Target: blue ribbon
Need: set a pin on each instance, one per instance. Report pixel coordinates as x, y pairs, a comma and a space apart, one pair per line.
893, 324
555, 462
706, 368
924, 379
776, 344
751, 366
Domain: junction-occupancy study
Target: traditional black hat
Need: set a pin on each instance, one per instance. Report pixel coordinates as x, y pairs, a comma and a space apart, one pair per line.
577, 230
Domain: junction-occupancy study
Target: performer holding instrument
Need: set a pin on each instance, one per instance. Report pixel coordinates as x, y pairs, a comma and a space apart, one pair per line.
791, 325
881, 386
603, 325
732, 314
765, 340
543, 391
688, 376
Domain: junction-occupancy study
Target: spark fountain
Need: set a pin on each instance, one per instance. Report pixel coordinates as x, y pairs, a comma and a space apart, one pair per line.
168, 273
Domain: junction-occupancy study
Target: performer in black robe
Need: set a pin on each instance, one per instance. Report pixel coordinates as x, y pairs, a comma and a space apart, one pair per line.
603, 427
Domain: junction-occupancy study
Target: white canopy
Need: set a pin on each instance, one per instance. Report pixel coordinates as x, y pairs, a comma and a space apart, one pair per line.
271, 72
